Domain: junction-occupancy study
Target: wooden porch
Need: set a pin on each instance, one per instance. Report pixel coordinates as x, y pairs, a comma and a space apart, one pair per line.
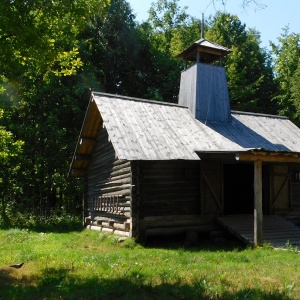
277, 231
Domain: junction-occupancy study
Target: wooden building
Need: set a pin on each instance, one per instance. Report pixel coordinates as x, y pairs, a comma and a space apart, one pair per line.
153, 168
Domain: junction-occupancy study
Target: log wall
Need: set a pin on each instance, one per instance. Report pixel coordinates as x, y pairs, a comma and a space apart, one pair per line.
168, 198
108, 189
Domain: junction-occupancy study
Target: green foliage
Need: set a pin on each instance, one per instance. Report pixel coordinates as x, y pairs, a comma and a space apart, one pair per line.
286, 62
295, 94
10, 151
249, 71
56, 222
43, 33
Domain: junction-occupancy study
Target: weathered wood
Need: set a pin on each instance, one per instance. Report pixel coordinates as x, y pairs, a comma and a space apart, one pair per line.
258, 214
268, 157
169, 187
87, 142
273, 232
109, 186
177, 230
171, 221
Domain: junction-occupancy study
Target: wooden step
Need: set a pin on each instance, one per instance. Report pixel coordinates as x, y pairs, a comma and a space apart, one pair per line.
277, 231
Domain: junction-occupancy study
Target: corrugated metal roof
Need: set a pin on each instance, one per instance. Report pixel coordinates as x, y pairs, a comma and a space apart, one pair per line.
147, 130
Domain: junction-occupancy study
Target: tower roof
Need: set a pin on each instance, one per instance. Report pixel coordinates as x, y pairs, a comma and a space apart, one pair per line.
209, 51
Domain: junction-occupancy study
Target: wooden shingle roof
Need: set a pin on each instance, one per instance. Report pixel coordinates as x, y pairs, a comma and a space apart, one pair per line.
150, 130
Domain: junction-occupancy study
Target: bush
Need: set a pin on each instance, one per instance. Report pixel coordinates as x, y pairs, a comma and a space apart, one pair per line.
55, 222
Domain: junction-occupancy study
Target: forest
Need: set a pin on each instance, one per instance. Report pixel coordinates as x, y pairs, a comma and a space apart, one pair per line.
53, 53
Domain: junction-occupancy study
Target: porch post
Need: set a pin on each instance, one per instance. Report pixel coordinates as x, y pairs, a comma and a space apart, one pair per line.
258, 215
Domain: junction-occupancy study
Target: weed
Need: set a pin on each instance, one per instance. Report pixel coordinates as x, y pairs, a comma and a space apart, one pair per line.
129, 243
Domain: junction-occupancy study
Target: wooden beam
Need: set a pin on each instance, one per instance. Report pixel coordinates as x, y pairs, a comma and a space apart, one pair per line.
268, 157
87, 142
258, 214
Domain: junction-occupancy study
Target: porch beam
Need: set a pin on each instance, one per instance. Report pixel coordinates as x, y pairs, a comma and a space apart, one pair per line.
268, 157
258, 214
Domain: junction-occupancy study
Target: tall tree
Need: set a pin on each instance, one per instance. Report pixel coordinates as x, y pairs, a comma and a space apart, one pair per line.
250, 77
39, 61
287, 55
164, 25
295, 94
111, 50
10, 150
38, 32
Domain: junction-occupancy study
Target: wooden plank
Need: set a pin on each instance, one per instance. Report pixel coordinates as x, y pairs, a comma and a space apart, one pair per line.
258, 215
266, 157
276, 230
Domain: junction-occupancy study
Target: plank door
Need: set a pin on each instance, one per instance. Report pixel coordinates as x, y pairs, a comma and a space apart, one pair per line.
295, 189
211, 188
279, 189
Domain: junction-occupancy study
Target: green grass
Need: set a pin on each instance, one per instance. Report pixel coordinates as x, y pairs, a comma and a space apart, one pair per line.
90, 265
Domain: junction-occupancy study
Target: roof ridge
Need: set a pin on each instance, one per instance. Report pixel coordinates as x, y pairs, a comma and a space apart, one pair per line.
137, 99
258, 114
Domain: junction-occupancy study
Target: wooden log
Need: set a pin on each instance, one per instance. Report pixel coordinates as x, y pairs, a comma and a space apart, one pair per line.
122, 233
177, 230
119, 226
107, 229
92, 227
268, 157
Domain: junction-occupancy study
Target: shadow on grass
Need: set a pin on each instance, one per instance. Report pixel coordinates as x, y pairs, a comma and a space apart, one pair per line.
204, 242
61, 284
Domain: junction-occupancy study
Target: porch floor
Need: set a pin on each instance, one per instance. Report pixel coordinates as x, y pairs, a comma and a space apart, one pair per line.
277, 231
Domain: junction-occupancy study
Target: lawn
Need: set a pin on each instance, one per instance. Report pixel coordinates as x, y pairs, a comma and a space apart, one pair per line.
92, 265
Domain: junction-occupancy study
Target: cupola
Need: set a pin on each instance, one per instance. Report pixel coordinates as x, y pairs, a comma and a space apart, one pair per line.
203, 86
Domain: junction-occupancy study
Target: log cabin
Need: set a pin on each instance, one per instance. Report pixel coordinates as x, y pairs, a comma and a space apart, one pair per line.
154, 168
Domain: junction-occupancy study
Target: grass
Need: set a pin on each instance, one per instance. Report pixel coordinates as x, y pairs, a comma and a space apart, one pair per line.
91, 265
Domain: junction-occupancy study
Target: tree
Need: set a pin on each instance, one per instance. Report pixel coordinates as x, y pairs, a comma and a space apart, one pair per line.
112, 51
43, 33
295, 94
250, 77
164, 27
10, 150
287, 54
42, 92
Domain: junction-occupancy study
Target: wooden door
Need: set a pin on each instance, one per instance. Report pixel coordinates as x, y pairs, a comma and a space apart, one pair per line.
295, 189
211, 188
279, 189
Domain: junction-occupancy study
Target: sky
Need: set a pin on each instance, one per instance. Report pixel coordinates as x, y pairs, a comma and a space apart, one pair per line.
268, 20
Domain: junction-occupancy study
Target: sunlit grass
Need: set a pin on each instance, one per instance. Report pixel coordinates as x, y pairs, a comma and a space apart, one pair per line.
90, 265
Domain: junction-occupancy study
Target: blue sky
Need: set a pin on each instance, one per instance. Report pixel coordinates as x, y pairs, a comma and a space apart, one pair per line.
269, 21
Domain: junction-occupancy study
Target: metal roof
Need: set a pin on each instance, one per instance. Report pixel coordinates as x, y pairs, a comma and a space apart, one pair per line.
151, 130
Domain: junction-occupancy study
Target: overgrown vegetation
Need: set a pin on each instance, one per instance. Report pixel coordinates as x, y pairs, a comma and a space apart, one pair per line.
92, 265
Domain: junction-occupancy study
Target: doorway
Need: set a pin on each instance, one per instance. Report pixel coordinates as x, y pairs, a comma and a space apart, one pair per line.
238, 188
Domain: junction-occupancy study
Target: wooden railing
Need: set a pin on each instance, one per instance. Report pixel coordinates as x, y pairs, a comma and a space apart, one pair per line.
112, 203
